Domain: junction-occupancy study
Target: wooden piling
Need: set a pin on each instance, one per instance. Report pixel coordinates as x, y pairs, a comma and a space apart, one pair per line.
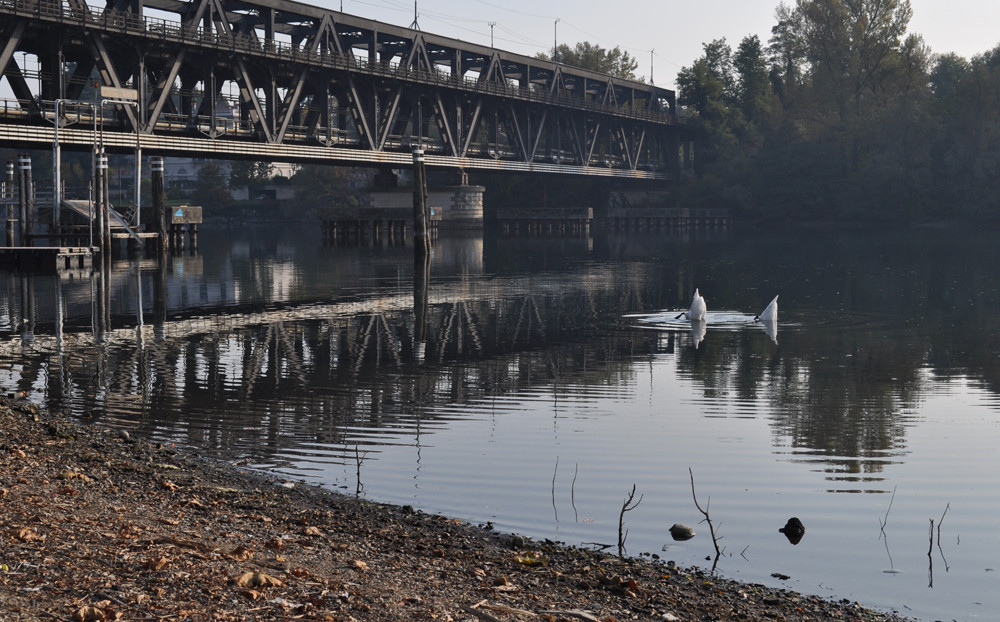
26, 198
421, 211
100, 169
9, 192
159, 206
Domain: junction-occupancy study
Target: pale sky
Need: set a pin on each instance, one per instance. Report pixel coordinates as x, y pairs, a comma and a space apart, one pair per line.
675, 30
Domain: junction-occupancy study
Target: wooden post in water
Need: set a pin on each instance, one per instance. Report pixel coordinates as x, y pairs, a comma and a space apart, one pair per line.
99, 212
108, 243
9, 196
159, 207
421, 212
26, 198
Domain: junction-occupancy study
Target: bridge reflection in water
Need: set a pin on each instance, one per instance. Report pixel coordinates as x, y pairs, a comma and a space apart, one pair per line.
216, 374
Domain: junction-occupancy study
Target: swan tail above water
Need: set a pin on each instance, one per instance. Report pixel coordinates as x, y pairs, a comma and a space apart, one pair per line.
770, 313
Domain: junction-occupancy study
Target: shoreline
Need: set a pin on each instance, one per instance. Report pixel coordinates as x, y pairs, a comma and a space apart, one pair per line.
96, 526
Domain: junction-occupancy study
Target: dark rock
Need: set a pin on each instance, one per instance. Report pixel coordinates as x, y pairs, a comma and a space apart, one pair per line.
681, 532
793, 530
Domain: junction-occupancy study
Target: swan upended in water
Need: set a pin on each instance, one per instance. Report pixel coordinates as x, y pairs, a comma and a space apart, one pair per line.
698, 309
770, 313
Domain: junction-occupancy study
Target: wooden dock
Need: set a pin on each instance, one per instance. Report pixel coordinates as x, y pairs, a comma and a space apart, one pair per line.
47, 258
561, 221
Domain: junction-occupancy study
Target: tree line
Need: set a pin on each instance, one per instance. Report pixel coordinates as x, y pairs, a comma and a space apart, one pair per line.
843, 115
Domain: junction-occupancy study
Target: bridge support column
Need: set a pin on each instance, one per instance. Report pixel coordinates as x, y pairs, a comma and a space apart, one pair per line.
9, 200
26, 201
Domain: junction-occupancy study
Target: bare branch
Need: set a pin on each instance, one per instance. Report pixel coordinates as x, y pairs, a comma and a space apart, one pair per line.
708, 519
627, 506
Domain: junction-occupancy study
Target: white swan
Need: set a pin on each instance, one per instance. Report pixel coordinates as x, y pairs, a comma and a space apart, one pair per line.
770, 313
698, 309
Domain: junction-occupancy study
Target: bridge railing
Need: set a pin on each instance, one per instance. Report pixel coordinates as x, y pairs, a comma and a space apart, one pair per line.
139, 25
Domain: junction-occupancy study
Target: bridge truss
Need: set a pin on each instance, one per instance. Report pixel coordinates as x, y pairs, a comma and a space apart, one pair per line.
286, 81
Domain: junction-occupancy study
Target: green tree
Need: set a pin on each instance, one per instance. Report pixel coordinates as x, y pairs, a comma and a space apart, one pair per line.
753, 87
324, 186
615, 62
252, 175
210, 188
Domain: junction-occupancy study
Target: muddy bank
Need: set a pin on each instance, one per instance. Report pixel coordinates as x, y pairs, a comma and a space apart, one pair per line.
95, 525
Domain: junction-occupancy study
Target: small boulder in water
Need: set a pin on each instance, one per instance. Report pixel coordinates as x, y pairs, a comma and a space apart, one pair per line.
793, 530
681, 532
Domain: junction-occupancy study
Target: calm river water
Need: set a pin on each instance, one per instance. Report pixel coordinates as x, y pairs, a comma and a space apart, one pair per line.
538, 380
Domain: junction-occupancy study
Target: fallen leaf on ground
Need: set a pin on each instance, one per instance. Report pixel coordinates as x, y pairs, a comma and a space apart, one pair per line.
27, 534
359, 565
256, 579
241, 553
88, 614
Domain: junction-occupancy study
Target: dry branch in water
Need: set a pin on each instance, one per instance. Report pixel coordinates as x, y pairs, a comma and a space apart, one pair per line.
627, 506
708, 519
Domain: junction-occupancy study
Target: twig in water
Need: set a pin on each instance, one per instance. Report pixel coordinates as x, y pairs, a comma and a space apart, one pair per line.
358, 460
627, 506
554, 471
946, 508
930, 555
572, 493
883, 523
708, 519
947, 568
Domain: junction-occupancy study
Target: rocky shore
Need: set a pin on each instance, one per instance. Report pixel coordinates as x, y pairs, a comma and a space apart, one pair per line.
95, 525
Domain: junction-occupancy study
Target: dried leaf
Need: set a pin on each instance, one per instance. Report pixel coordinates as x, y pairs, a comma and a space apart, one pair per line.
529, 559
156, 564
27, 534
169, 485
68, 475
359, 565
276, 544
256, 579
313, 531
88, 614
242, 553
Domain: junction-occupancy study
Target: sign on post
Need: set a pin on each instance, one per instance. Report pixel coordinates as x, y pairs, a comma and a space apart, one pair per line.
114, 92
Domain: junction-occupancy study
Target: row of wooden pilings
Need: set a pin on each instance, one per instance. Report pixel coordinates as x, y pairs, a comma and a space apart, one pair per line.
347, 228
20, 200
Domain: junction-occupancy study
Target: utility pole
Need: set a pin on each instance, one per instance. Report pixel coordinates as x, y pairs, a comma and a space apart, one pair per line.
651, 65
492, 24
414, 25
555, 41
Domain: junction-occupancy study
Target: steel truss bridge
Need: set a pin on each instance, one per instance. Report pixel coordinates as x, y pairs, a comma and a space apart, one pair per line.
285, 81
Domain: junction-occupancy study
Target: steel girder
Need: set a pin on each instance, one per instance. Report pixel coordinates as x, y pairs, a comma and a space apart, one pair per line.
282, 73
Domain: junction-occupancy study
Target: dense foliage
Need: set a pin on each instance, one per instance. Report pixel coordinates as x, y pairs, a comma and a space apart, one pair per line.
844, 115
586, 55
